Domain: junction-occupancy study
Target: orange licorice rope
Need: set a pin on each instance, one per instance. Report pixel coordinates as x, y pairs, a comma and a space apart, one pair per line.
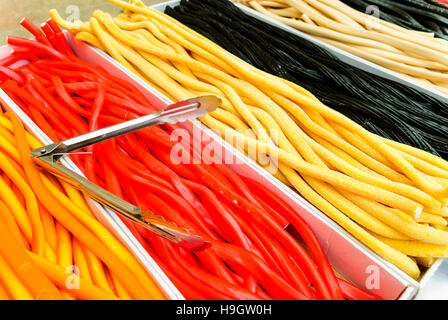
35, 281
86, 237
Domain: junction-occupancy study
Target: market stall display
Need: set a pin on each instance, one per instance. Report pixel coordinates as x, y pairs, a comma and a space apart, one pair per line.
333, 158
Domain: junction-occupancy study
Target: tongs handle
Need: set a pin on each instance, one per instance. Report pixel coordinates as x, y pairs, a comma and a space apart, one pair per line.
184, 110
48, 156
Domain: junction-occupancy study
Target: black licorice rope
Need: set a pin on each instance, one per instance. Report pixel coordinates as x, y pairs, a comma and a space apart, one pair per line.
382, 106
421, 15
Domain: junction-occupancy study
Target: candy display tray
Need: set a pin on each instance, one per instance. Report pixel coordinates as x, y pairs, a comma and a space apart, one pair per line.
348, 256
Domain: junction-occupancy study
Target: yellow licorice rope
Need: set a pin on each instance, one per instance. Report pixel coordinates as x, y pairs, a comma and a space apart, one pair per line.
375, 188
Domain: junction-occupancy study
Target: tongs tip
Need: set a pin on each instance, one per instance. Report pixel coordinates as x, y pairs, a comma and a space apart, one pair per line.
194, 243
209, 103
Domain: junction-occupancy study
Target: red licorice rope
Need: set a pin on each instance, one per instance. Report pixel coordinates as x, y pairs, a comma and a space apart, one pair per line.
252, 255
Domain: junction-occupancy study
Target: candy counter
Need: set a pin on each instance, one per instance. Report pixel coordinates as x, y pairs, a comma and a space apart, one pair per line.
317, 174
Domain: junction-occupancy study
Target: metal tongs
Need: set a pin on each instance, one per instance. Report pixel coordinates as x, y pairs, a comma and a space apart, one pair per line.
47, 157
